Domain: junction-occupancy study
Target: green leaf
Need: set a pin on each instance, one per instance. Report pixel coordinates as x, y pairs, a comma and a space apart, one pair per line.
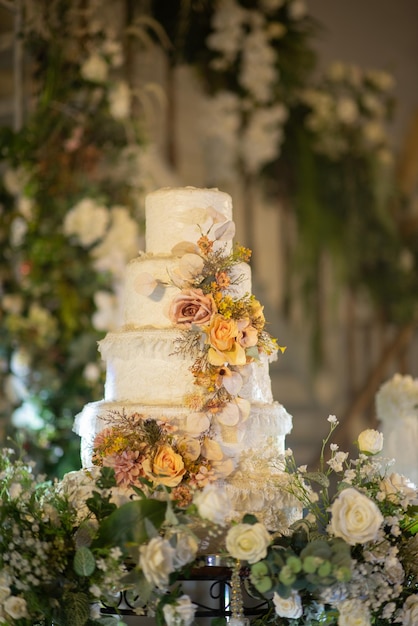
74, 610
317, 477
128, 523
84, 562
100, 505
249, 519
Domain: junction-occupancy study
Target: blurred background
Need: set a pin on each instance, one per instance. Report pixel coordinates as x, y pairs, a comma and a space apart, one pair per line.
305, 112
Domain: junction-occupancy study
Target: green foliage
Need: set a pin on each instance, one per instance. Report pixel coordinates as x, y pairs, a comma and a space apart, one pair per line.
65, 152
128, 524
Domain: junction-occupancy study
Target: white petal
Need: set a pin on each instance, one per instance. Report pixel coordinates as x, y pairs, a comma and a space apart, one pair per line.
244, 408
232, 383
183, 248
223, 468
216, 215
212, 450
197, 423
225, 232
230, 414
191, 265
145, 284
193, 216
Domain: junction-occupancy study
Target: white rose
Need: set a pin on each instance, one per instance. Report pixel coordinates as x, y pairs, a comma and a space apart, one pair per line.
213, 504
397, 488
95, 69
370, 441
410, 611
248, 542
288, 607
181, 613
186, 548
157, 561
355, 517
353, 613
15, 607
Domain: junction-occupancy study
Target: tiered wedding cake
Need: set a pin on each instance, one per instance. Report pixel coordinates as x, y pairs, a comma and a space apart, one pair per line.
188, 396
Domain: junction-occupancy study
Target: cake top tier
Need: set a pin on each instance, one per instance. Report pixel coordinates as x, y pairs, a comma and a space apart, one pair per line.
174, 214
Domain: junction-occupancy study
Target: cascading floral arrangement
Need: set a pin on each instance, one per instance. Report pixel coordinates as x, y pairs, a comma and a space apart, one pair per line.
221, 334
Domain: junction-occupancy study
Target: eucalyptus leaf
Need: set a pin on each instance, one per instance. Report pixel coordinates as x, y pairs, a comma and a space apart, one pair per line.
84, 562
317, 477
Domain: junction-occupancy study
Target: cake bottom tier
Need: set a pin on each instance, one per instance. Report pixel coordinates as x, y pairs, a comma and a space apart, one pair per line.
254, 449
267, 425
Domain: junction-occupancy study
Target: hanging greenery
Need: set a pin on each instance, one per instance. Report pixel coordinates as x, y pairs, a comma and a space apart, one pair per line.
70, 217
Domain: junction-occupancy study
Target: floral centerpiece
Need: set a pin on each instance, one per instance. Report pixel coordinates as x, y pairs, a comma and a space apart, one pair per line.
352, 560
68, 548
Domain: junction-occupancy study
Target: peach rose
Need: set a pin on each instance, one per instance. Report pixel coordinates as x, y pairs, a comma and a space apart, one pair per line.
167, 467
222, 333
223, 345
191, 306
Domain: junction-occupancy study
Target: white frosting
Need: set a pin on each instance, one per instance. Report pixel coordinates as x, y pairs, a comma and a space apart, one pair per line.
175, 214
142, 367
152, 310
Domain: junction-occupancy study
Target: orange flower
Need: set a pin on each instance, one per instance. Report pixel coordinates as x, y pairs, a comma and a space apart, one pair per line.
223, 280
166, 468
205, 244
223, 345
222, 333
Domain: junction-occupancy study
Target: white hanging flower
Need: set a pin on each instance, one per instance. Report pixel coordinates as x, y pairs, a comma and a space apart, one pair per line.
87, 221
120, 101
95, 69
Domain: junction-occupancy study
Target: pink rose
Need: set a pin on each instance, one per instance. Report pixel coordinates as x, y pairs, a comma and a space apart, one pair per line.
247, 334
191, 306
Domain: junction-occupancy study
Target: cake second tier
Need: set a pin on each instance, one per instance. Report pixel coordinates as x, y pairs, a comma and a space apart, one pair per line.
144, 309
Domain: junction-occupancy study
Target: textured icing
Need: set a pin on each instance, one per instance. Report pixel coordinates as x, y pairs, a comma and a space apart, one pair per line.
175, 214
141, 366
152, 310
